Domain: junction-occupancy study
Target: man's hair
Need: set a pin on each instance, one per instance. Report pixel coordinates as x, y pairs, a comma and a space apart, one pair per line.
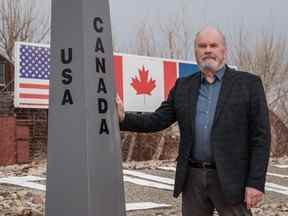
217, 30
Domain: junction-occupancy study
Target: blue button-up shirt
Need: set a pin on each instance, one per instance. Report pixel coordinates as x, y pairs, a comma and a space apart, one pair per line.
205, 112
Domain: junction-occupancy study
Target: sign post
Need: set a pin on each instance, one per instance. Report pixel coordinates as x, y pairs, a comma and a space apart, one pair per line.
84, 161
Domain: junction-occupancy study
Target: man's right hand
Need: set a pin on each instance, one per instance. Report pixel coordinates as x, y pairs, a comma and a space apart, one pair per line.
120, 108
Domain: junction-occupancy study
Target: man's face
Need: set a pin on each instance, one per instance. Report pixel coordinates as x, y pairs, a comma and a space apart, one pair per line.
210, 50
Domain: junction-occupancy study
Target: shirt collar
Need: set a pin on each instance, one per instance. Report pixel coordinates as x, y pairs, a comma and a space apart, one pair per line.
218, 75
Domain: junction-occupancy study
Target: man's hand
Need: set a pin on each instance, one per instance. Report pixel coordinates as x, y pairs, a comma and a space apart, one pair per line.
120, 108
252, 197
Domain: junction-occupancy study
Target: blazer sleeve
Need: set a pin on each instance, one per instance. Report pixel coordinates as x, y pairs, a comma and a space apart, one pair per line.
160, 119
259, 136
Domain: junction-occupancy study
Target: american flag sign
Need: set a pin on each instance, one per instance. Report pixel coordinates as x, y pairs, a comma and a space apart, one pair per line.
32, 70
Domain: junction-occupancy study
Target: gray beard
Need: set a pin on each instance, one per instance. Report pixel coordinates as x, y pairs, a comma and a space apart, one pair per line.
207, 66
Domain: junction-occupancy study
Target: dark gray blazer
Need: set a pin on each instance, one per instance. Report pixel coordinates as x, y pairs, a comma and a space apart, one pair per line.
240, 134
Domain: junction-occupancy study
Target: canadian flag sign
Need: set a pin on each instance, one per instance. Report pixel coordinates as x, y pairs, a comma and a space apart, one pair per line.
144, 82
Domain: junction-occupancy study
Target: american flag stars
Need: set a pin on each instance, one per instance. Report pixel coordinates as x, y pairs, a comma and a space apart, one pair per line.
34, 62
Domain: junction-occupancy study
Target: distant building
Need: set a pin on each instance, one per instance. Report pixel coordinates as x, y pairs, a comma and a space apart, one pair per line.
6, 73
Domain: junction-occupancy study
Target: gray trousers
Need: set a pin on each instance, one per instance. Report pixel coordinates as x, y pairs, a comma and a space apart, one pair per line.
203, 194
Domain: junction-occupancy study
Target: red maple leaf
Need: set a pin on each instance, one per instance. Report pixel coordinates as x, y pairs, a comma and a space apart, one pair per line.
143, 85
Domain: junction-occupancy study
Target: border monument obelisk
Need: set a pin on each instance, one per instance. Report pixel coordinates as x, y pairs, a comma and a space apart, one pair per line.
84, 161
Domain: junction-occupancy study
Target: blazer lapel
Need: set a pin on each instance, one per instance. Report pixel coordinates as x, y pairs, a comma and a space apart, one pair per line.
193, 93
190, 111
224, 91
193, 89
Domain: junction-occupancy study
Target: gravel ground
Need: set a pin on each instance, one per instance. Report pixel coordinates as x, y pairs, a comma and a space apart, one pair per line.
19, 201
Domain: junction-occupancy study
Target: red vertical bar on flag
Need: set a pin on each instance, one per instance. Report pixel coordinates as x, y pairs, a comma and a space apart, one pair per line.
118, 67
170, 76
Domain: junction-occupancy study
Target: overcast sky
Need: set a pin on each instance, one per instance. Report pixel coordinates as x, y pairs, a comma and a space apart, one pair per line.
227, 13
254, 16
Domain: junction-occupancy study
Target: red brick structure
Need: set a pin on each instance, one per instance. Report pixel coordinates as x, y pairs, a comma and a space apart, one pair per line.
36, 120
14, 142
7, 140
23, 132
22, 144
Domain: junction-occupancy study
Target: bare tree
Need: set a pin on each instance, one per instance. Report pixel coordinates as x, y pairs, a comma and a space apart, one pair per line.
172, 39
19, 21
267, 58
177, 37
145, 41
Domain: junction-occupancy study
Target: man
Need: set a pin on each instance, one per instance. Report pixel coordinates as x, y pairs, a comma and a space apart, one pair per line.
224, 132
